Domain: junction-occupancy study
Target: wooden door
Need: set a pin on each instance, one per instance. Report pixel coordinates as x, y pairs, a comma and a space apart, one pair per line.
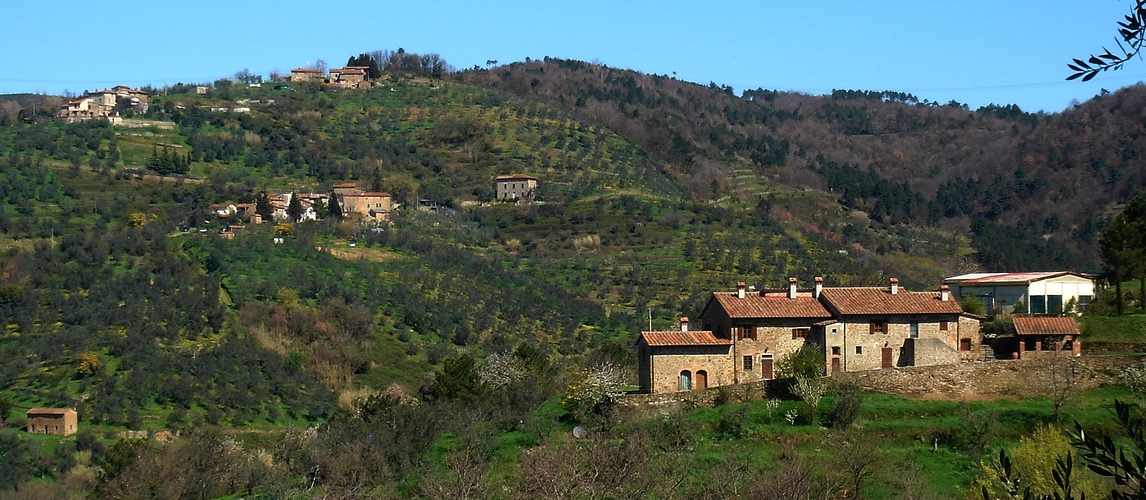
701, 379
836, 365
766, 368
886, 358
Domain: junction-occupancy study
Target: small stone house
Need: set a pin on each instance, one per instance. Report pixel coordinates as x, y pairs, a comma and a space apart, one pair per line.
54, 421
515, 187
671, 361
1045, 335
305, 75
370, 204
346, 187
350, 77
855, 328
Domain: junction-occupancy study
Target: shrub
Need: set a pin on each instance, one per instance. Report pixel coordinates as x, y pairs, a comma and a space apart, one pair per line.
732, 423
5, 408
589, 392
807, 362
847, 402
811, 391
1135, 380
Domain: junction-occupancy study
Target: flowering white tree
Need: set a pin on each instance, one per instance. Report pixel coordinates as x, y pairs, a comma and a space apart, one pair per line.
588, 391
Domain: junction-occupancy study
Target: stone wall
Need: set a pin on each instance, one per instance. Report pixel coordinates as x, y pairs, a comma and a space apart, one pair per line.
1025, 377
664, 404
993, 378
1111, 347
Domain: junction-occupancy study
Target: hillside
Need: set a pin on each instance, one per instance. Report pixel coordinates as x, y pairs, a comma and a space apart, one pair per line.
1026, 175
465, 322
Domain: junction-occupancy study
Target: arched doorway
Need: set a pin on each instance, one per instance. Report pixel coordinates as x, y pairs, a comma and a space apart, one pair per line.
701, 379
685, 380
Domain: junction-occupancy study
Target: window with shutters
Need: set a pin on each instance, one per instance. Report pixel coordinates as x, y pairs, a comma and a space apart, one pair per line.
800, 333
877, 326
943, 326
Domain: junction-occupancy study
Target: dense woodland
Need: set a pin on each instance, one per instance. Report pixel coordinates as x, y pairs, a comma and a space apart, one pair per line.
450, 352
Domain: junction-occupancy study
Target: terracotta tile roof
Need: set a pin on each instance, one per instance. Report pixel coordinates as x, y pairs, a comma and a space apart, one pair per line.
998, 278
870, 300
678, 338
346, 185
1025, 325
373, 195
754, 305
305, 70
49, 411
520, 177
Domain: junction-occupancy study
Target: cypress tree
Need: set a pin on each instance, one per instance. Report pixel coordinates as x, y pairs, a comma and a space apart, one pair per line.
335, 209
294, 208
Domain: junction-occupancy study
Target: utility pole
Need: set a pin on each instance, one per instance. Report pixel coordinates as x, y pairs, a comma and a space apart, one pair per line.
650, 319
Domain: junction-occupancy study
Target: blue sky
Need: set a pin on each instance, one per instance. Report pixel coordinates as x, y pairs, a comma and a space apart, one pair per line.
975, 52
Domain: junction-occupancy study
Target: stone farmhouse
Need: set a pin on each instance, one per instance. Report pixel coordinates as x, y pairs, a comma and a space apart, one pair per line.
54, 421
370, 205
102, 103
305, 75
856, 328
1040, 292
350, 77
516, 186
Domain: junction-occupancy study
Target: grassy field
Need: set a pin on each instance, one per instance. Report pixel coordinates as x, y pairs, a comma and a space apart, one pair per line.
1129, 328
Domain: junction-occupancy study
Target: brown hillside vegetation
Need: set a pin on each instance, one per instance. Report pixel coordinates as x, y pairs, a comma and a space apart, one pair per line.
1046, 174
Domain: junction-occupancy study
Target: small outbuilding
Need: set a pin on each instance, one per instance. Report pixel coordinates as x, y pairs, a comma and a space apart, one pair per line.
1038, 335
54, 421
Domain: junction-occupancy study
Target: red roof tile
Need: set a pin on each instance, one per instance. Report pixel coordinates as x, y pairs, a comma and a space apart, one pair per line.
870, 300
49, 411
1025, 325
521, 177
372, 195
677, 338
755, 305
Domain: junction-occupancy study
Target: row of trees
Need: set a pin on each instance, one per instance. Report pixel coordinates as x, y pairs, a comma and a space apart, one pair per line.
1123, 247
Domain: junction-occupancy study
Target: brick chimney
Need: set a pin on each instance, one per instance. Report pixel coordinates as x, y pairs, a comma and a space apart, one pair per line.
740, 289
894, 286
819, 286
684, 323
791, 288
944, 293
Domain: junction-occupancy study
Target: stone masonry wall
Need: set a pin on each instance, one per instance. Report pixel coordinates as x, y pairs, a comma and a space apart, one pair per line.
1025, 377
994, 378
